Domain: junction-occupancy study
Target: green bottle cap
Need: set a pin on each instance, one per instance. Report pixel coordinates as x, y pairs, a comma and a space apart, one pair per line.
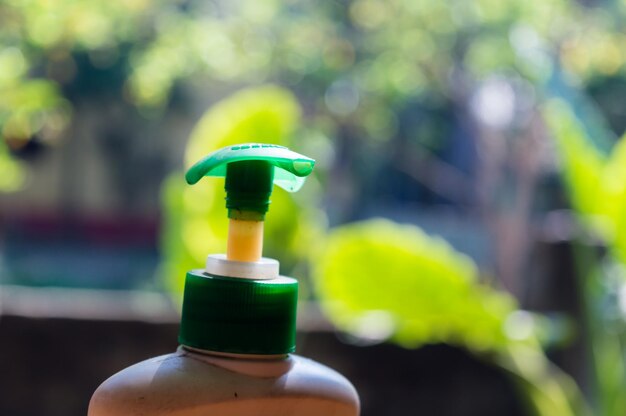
234, 314
239, 316
251, 170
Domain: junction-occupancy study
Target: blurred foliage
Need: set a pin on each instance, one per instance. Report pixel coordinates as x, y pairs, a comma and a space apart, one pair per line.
597, 185
379, 280
547, 389
12, 174
377, 273
377, 50
357, 62
195, 218
597, 182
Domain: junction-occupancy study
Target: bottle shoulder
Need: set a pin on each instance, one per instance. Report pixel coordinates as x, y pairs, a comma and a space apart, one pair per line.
173, 384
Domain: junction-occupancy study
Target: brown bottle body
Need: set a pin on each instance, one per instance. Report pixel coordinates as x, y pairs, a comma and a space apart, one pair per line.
188, 383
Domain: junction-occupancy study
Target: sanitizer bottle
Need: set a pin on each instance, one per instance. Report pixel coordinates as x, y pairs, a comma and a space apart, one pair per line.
238, 324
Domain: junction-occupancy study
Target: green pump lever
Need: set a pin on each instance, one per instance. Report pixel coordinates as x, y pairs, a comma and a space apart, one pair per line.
250, 170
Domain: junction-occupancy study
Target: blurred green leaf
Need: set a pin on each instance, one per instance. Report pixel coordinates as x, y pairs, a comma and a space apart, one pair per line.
597, 188
582, 162
547, 389
597, 183
379, 280
429, 291
12, 174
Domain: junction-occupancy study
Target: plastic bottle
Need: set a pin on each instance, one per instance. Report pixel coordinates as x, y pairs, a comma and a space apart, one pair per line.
238, 323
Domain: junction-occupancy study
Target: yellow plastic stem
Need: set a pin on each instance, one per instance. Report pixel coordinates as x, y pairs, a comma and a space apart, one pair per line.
245, 240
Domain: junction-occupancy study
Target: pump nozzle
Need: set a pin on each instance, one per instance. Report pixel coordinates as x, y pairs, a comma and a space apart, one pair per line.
251, 170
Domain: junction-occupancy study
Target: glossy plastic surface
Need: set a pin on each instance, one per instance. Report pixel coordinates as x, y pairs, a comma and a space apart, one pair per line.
190, 384
290, 167
241, 316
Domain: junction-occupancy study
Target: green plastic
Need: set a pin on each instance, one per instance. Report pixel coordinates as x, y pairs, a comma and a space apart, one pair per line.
240, 316
290, 167
248, 188
236, 315
250, 170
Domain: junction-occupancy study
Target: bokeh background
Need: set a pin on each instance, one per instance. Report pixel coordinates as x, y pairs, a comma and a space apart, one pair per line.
460, 247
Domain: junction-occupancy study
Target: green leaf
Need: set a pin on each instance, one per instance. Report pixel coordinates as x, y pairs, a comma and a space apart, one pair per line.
548, 390
380, 280
614, 202
582, 162
429, 292
597, 184
12, 173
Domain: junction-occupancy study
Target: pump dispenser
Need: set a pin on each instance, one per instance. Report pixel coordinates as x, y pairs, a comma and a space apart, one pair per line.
252, 310
238, 321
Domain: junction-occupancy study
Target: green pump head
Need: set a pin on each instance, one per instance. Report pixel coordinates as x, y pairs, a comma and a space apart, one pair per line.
251, 170
223, 310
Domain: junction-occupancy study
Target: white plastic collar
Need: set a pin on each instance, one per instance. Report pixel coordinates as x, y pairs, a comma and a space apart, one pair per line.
264, 269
